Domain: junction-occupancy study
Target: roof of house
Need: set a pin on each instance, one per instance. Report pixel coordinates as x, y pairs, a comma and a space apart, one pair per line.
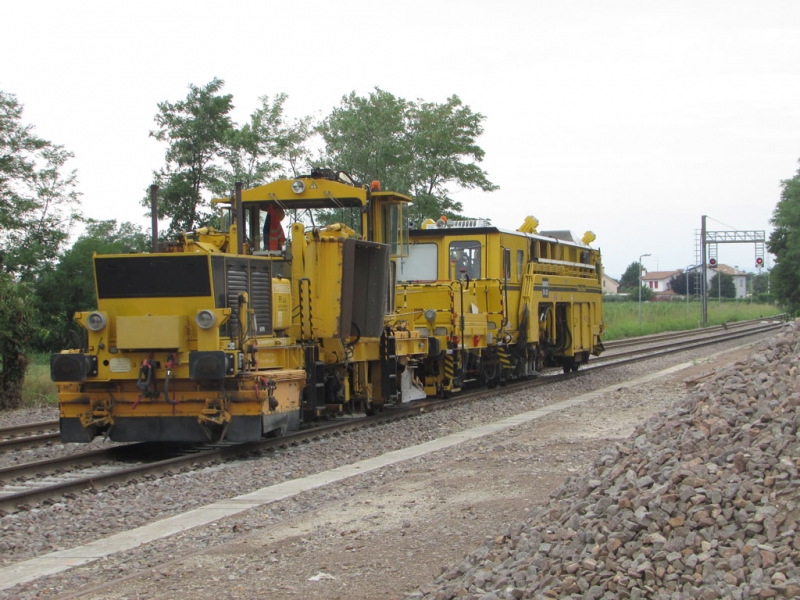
728, 270
659, 275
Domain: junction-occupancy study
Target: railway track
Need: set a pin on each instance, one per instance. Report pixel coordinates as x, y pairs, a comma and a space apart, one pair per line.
649, 339
42, 481
29, 435
667, 344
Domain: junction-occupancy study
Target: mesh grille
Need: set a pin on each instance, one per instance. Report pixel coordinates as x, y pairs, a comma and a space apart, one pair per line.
261, 300
251, 276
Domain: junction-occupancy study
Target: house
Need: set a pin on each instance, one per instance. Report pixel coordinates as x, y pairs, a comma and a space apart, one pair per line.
739, 278
658, 281
610, 286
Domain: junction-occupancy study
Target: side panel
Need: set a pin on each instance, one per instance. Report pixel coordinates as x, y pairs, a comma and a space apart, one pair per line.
364, 287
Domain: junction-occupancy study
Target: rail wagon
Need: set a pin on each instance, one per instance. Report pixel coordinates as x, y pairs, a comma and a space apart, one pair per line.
498, 305
238, 332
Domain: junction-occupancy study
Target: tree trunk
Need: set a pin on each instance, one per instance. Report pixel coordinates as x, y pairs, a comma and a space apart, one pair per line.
11, 380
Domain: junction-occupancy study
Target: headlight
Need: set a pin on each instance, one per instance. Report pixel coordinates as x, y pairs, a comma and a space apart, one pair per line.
96, 321
205, 319
298, 187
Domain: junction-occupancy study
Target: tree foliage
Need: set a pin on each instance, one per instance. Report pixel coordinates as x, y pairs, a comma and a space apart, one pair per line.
265, 148
647, 294
722, 286
17, 318
195, 130
760, 288
416, 148
68, 287
208, 152
677, 283
784, 243
630, 278
38, 197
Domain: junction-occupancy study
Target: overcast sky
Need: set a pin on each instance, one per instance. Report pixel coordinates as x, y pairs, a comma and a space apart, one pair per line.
631, 119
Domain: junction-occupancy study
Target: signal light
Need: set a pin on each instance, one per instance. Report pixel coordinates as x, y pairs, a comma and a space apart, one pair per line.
759, 262
712, 262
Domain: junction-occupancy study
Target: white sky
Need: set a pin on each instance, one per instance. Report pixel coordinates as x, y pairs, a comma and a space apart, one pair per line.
629, 118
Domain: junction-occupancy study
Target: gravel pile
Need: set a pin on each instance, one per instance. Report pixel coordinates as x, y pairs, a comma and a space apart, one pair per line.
701, 502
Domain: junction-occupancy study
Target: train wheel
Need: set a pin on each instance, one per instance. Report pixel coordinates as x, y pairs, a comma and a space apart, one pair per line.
489, 370
575, 366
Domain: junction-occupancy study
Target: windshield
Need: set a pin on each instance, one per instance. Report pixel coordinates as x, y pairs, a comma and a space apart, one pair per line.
420, 264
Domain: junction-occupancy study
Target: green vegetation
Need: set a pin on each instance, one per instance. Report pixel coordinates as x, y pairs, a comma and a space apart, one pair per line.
784, 243
622, 318
37, 388
417, 148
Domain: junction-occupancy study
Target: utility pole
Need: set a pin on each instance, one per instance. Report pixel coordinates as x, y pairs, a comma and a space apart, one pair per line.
703, 262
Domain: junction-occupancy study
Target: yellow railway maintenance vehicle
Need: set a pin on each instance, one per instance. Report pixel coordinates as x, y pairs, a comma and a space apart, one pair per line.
499, 305
235, 335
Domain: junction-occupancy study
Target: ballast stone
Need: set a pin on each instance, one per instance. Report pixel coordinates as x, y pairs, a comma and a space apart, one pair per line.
701, 502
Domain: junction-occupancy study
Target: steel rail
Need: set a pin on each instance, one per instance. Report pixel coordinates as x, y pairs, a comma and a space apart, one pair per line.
21, 499
28, 428
645, 339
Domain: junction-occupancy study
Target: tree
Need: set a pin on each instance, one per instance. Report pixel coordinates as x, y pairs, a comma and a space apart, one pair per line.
784, 243
677, 283
416, 148
208, 153
759, 283
68, 287
265, 148
17, 318
367, 138
444, 150
728, 289
647, 294
38, 197
629, 282
196, 130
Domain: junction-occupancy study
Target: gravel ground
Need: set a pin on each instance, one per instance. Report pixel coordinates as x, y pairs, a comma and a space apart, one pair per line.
701, 501
374, 536
23, 416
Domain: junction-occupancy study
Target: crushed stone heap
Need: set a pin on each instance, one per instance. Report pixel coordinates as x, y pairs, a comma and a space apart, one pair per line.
701, 502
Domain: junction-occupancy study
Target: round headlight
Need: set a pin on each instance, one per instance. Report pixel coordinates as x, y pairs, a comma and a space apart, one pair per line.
205, 319
96, 321
298, 187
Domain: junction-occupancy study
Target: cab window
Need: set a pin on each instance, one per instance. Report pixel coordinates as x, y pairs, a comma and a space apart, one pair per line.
465, 260
420, 264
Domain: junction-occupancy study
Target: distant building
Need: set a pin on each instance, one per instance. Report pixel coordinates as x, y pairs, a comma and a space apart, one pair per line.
610, 286
658, 281
739, 278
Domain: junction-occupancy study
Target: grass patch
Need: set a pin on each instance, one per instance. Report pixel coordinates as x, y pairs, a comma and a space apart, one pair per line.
622, 318
38, 389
